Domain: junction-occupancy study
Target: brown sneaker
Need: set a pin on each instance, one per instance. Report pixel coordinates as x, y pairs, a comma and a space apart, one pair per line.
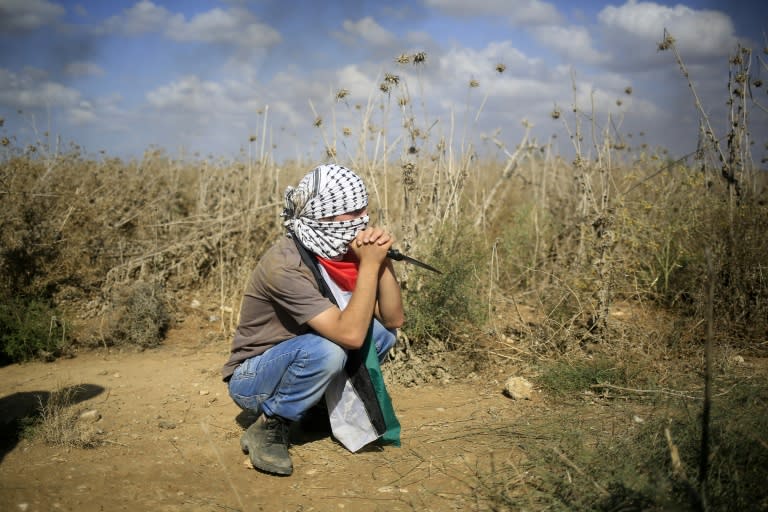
266, 443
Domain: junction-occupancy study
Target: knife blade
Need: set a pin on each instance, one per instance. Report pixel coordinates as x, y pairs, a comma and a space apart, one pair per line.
396, 255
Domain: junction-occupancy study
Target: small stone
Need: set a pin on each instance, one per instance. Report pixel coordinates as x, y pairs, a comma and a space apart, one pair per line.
738, 359
204, 392
116, 375
194, 304
166, 425
91, 415
637, 419
103, 372
518, 388
23, 506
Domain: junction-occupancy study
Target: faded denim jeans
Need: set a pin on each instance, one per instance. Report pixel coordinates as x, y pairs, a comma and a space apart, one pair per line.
292, 376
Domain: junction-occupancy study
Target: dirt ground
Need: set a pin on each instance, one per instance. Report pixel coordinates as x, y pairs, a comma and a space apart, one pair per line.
169, 441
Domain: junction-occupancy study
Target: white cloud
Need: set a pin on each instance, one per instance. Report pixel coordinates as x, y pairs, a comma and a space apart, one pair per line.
83, 68
574, 43
369, 31
519, 12
190, 93
31, 89
26, 15
698, 33
236, 27
481, 64
358, 83
82, 113
143, 17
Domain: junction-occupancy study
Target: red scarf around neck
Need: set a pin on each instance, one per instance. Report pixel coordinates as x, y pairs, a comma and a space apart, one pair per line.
343, 272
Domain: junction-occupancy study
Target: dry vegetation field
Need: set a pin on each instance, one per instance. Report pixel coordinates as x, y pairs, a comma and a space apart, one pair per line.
630, 286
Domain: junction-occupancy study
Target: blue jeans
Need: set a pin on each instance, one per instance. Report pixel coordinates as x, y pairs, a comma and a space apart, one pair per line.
292, 376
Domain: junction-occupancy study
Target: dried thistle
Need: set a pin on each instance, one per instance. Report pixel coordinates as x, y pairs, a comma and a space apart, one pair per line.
667, 43
2, 121
474, 83
341, 94
619, 103
347, 131
252, 138
384, 87
5, 141
409, 180
402, 101
628, 90
500, 68
318, 122
757, 83
391, 79
555, 114
403, 58
330, 152
419, 58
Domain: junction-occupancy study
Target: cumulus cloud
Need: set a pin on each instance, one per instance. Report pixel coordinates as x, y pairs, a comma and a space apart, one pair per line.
369, 31
143, 17
236, 27
32, 89
27, 15
519, 12
574, 43
639, 26
190, 93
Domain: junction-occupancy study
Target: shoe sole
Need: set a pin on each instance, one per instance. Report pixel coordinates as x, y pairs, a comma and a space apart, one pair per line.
260, 464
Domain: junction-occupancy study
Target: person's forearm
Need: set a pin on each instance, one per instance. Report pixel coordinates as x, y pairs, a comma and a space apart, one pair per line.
389, 299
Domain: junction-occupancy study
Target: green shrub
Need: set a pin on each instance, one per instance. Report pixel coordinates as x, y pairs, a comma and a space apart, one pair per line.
30, 328
568, 378
441, 303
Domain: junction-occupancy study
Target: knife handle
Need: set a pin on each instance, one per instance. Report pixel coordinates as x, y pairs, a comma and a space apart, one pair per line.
396, 255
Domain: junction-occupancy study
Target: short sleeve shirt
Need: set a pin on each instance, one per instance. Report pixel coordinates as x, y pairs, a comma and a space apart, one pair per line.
280, 298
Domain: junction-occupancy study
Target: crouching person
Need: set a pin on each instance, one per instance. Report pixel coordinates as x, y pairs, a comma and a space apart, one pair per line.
295, 337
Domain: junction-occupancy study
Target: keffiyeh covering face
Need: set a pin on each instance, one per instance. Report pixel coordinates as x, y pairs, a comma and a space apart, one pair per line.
327, 191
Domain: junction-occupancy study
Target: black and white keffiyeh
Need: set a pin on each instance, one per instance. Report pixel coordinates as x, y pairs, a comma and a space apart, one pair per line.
327, 191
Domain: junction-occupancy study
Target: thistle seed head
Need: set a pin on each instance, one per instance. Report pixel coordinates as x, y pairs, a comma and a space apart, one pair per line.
419, 58
403, 58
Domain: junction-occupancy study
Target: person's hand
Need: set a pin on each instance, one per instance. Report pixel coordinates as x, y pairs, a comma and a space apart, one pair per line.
372, 243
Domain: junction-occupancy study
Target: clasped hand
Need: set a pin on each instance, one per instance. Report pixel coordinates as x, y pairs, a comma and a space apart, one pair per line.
373, 243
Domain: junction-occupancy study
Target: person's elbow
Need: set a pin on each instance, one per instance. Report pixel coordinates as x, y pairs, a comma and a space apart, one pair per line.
394, 322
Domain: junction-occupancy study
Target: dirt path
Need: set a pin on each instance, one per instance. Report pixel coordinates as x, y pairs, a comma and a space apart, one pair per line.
171, 443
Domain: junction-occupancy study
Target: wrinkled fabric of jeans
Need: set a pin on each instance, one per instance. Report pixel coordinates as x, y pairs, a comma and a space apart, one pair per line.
292, 376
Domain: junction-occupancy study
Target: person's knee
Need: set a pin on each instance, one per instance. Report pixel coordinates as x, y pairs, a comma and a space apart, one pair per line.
384, 338
330, 357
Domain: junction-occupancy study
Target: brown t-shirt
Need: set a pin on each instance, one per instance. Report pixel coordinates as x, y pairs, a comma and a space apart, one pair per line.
281, 297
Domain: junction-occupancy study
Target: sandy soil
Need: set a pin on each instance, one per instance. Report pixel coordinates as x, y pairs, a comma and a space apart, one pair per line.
170, 442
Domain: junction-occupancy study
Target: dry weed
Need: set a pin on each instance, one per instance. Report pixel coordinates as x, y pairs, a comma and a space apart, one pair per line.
60, 423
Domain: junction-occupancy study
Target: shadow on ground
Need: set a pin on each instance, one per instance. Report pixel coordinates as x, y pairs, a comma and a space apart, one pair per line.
22, 407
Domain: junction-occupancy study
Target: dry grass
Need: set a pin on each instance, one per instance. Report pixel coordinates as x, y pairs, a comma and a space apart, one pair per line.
541, 253
60, 424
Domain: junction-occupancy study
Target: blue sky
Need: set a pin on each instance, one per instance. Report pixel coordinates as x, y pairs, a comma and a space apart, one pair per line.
201, 77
